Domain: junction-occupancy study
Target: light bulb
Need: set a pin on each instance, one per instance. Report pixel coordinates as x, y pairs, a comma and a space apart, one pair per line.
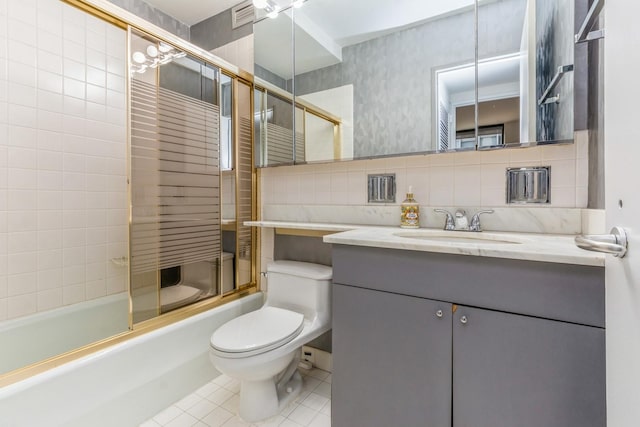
152, 51
164, 48
298, 3
272, 11
138, 57
260, 4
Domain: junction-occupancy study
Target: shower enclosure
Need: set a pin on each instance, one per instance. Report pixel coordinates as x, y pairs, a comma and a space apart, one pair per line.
120, 144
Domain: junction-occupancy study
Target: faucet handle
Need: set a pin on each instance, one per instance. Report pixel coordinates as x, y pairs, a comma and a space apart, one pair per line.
449, 224
475, 220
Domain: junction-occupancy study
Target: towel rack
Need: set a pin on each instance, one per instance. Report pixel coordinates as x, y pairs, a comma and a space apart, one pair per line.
584, 35
546, 97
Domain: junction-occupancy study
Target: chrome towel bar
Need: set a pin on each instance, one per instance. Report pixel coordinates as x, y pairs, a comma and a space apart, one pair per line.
614, 243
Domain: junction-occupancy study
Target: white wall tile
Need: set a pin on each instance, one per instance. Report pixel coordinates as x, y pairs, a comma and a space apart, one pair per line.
558, 152
49, 299
19, 221
50, 279
21, 73
563, 173
21, 305
73, 294
22, 95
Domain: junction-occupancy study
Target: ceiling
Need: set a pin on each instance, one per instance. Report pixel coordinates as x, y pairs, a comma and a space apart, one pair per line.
323, 27
335, 17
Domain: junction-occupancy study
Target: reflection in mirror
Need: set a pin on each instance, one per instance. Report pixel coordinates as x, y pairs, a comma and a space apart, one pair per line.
273, 50
405, 82
175, 179
274, 115
373, 69
498, 103
541, 42
245, 239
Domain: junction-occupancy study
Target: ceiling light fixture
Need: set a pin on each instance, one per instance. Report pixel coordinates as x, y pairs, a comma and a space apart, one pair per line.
298, 3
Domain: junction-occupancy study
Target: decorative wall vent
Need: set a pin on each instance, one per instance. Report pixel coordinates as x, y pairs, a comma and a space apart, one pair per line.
242, 14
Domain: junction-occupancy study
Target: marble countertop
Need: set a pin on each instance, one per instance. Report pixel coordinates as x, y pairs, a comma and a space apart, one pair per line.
523, 246
556, 248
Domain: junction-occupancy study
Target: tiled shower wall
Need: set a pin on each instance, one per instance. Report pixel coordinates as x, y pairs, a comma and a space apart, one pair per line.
63, 190
475, 178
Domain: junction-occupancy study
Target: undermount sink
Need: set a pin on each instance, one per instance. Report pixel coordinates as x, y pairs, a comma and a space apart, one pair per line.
456, 237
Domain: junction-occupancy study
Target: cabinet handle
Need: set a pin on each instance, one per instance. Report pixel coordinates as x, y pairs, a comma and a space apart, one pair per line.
463, 320
439, 314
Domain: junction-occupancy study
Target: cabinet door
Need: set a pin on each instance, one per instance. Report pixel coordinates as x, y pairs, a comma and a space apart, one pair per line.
512, 370
391, 360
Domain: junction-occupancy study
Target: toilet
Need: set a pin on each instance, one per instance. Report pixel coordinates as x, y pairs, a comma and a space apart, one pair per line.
262, 348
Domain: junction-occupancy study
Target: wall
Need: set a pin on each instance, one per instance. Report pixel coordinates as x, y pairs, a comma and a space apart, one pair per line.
216, 31
155, 16
451, 179
63, 190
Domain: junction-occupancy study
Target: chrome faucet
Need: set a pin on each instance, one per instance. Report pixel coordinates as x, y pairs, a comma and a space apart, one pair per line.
460, 221
449, 223
475, 220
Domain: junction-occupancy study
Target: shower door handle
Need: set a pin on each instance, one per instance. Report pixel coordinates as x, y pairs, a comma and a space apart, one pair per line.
614, 243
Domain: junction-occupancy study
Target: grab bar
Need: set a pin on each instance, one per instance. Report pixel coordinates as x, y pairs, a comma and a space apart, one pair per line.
614, 243
545, 98
584, 35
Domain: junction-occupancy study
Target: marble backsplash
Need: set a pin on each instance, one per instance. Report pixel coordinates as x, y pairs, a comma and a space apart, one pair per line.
516, 219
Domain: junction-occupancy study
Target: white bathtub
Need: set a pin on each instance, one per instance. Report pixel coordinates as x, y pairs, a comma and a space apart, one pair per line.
33, 338
125, 384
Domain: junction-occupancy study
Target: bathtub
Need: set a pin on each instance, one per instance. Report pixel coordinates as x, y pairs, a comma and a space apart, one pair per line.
127, 383
33, 338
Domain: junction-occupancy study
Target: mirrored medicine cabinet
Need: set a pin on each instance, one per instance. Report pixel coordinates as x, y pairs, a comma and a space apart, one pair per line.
337, 81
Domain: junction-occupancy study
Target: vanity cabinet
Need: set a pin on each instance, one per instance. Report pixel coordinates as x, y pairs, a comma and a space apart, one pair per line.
429, 339
393, 361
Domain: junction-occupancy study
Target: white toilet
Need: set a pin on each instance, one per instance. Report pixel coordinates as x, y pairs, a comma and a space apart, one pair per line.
261, 349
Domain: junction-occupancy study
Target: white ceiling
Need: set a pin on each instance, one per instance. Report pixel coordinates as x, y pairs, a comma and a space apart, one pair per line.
323, 27
336, 17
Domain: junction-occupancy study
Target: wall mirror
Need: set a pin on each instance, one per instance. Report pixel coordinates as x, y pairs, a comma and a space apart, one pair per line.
424, 76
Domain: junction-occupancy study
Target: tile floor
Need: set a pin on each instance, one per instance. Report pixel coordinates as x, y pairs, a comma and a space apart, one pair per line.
216, 403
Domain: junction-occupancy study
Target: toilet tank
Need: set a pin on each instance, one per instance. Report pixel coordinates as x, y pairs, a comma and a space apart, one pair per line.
300, 286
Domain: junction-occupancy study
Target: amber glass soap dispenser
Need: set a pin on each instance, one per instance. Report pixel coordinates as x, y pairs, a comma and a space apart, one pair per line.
410, 212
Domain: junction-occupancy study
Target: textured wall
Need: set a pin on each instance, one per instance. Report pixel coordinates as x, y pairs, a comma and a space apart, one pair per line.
216, 31
155, 16
392, 75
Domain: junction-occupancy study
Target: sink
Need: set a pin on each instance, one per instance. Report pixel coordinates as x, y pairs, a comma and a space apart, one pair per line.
456, 237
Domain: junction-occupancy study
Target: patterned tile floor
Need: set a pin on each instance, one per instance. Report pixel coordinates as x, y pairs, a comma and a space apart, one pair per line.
216, 403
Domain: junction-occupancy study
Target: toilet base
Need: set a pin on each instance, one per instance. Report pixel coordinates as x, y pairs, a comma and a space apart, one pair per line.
260, 400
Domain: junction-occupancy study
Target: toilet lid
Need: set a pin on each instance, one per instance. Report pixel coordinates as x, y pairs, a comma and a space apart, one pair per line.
258, 331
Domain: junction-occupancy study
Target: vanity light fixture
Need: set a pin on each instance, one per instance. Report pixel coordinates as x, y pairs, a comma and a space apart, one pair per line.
272, 11
154, 56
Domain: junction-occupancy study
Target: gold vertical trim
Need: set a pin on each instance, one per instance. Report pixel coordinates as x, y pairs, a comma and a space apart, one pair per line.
235, 120
129, 175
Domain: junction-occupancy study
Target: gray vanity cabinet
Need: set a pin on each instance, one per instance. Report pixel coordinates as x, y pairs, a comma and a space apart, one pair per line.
511, 370
393, 360
516, 343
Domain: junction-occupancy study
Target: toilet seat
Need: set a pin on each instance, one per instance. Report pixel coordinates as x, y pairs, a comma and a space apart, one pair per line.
256, 332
